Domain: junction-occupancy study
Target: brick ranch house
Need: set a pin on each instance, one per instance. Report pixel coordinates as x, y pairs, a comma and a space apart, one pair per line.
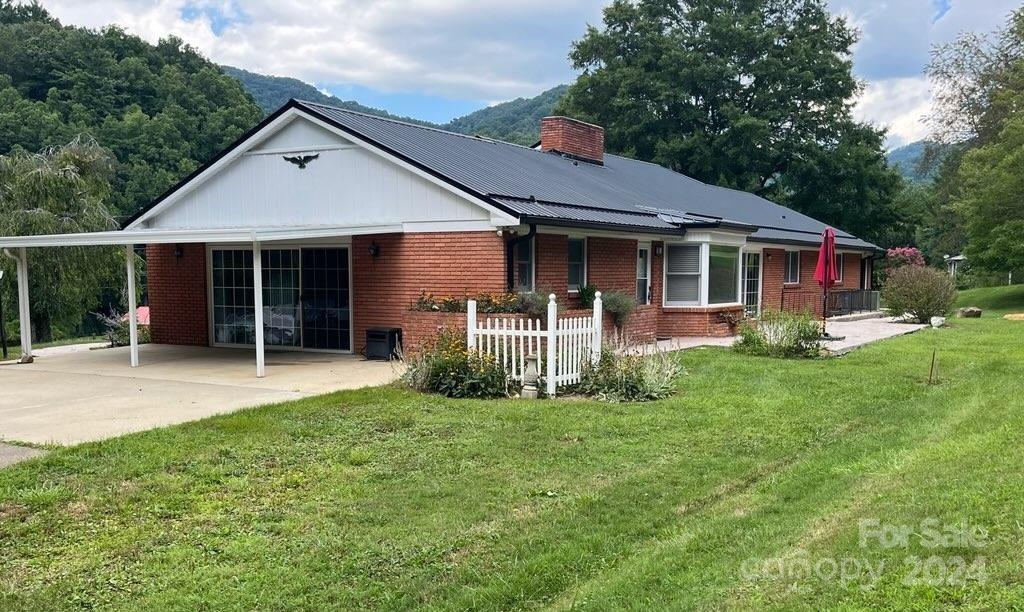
350, 217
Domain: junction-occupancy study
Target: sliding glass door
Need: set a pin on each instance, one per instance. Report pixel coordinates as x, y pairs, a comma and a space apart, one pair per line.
305, 298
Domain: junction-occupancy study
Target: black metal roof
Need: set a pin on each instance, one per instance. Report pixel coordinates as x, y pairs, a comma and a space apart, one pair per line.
545, 187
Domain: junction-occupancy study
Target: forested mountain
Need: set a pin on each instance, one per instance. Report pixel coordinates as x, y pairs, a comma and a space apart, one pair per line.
160, 109
514, 121
907, 160
271, 92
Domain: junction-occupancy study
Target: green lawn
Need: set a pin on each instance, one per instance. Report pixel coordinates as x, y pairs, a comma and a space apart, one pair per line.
14, 350
387, 499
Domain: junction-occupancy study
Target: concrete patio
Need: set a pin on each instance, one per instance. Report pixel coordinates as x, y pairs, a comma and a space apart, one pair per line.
72, 396
856, 331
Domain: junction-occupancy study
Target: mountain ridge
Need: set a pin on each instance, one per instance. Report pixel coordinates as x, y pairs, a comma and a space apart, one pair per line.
516, 121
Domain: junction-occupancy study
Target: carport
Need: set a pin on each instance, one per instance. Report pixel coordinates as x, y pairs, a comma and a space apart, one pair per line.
16, 249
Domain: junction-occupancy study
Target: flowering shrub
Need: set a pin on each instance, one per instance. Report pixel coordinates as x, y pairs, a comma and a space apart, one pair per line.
777, 333
448, 367
898, 257
485, 302
626, 377
921, 292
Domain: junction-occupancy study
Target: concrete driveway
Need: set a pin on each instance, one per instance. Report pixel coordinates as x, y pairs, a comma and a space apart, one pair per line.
76, 396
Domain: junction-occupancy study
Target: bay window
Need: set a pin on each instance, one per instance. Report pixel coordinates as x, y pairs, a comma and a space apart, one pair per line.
723, 274
682, 274
701, 274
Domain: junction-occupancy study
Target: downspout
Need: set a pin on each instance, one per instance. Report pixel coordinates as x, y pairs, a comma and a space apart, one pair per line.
510, 250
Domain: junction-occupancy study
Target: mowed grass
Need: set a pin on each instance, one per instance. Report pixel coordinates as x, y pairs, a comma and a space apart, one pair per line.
14, 349
387, 499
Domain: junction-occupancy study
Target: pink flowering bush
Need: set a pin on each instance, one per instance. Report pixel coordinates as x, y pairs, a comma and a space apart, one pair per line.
898, 257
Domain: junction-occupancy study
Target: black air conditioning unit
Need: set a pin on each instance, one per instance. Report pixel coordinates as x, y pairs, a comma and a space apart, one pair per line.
383, 342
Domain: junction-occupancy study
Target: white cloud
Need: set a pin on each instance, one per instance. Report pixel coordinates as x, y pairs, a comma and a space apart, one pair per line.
477, 49
499, 49
899, 105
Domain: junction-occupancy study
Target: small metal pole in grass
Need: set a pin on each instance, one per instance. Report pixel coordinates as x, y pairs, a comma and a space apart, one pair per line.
933, 372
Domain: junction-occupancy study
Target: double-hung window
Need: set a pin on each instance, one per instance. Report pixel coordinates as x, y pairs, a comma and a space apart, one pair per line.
643, 275
792, 267
524, 265
577, 263
839, 267
682, 274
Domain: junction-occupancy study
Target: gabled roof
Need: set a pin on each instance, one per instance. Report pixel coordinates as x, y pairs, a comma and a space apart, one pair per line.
547, 188
542, 185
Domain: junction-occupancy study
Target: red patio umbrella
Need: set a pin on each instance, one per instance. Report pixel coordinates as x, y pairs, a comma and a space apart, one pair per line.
825, 271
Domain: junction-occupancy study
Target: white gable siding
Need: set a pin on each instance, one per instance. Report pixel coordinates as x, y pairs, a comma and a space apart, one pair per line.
347, 185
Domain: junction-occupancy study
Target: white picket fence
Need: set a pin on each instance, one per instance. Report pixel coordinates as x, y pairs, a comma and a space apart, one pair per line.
562, 346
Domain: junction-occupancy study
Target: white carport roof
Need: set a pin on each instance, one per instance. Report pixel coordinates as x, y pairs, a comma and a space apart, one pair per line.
163, 236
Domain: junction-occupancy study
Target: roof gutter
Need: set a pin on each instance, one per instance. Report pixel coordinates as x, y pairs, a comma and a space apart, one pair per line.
510, 250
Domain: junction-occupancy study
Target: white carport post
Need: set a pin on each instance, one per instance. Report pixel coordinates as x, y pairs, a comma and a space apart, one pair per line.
133, 316
25, 322
257, 289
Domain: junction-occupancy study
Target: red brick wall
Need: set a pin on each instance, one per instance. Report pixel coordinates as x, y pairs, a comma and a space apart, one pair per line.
445, 264
611, 264
773, 275
572, 136
697, 321
177, 294
552, 264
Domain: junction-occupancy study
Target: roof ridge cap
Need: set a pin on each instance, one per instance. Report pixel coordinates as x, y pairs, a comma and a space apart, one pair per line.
411, 124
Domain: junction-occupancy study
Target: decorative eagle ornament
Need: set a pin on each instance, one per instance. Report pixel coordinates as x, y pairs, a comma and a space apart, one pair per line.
300, 160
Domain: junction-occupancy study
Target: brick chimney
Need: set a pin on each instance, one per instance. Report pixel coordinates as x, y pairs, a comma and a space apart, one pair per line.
572, 137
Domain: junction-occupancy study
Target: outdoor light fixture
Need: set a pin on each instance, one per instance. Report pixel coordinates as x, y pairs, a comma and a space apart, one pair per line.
178, 251
657, 251
374, 249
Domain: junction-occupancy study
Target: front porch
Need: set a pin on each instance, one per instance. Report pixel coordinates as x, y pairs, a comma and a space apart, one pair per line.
78, 396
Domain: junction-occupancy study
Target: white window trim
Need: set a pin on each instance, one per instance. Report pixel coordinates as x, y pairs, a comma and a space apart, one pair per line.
705, 266
287, 244
533, 266
785, 267
645, 246
841, 261
586, 246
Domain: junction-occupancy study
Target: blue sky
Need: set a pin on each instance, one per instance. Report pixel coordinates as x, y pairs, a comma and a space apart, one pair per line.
439, 59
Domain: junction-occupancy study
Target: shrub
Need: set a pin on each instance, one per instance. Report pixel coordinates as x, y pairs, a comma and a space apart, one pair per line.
921, 292
899, 257
485, 302
448, 367
118, 329
777, 333
534, 303
619, 305
586, 295
624, 377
